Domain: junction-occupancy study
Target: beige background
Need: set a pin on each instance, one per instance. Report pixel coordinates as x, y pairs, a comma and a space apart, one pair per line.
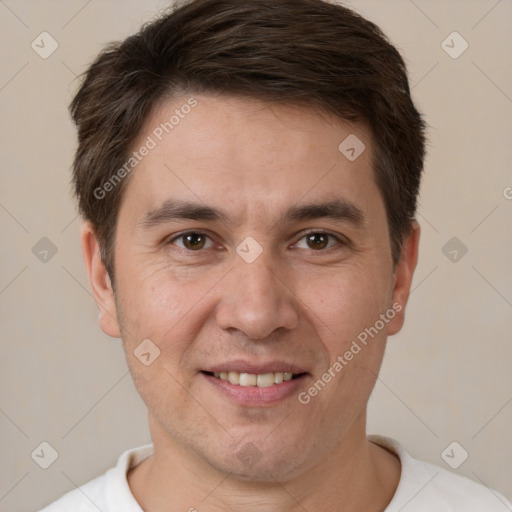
446, 377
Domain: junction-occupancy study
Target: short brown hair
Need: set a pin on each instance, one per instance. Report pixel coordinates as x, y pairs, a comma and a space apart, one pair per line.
304, 52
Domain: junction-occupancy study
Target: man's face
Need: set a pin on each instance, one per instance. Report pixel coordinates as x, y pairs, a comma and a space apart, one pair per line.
269, 287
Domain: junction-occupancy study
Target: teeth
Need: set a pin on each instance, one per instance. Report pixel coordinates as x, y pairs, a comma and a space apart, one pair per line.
263, 380
248, 379
234, 377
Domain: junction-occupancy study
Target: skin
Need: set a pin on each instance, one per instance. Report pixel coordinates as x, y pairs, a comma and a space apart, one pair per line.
300, 302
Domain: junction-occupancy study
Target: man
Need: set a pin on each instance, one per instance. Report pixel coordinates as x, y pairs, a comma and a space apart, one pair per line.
248, 175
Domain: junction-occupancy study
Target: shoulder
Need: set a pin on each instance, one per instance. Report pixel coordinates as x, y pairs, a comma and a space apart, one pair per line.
87, 498
425, 487
108, 492
460, 494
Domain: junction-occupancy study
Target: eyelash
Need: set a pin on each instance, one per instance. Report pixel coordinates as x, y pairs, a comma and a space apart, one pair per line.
339, 241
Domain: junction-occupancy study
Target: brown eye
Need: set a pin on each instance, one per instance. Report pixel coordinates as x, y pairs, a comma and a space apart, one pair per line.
192, 241
318, 241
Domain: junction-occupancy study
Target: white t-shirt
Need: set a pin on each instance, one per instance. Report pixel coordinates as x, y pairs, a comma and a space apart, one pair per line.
423, 487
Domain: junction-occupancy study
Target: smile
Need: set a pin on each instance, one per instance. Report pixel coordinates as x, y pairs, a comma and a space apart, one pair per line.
262, 380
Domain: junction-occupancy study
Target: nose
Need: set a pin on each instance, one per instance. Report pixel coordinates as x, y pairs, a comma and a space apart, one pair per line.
257, 300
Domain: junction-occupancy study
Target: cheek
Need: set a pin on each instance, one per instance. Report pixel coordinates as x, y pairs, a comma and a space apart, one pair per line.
351, 300
164, 305
154, 307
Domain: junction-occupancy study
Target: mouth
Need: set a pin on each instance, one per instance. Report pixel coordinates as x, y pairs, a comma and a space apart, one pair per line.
261, 380
255, 385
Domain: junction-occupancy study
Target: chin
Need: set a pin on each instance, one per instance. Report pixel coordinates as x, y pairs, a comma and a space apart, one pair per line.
259, 462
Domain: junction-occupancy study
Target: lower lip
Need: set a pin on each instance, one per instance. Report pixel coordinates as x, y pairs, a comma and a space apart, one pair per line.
254, 396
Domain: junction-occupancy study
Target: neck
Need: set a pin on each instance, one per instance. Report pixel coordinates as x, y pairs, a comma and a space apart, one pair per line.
357, 475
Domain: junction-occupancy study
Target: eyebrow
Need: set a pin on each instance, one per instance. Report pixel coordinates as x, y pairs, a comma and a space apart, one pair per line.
171, 210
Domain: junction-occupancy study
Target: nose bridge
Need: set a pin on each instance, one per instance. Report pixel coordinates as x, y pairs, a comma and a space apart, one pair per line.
258, 279
255, 300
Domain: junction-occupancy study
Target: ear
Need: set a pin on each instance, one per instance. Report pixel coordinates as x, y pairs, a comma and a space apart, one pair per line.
100, 282
403, 277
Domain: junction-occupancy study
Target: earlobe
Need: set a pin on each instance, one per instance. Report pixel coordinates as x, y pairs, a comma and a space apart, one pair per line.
404, 273
100, 282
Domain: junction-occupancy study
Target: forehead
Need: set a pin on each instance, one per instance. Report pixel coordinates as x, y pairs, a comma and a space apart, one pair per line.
238, 152
236, 126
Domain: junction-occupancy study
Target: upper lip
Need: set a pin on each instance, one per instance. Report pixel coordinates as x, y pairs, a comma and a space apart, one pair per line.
255, 368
